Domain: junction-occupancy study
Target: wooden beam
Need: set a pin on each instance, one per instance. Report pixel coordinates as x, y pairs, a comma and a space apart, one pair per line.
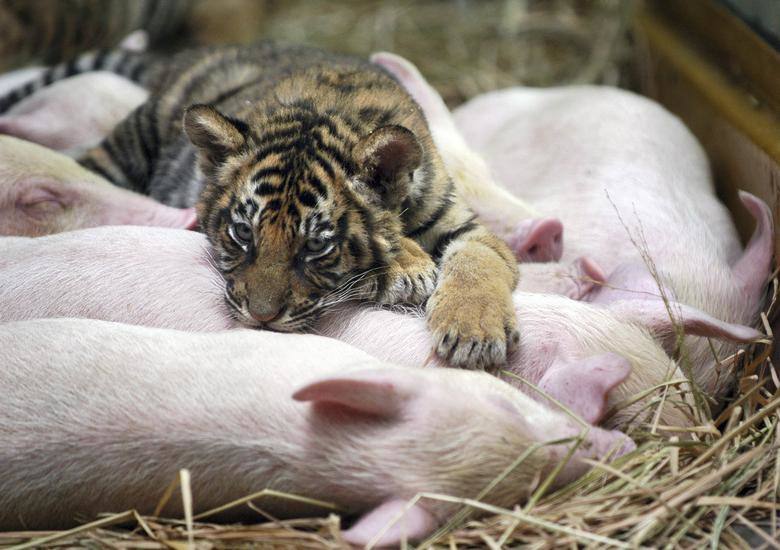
740, 132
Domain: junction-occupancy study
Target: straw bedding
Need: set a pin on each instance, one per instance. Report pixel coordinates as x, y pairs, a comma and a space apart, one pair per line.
718, 488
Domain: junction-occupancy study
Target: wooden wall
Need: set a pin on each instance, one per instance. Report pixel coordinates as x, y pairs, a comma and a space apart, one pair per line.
723, 80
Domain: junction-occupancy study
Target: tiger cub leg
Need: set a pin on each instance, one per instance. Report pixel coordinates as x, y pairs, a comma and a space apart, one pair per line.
471, 313
410, 277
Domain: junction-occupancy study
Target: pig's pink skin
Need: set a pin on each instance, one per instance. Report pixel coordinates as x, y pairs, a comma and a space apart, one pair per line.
134, 405
73, 114
575, 387
126, 274
391, 522
623, 174
537, 240
557, 333
606, 153
576, 280
43, 192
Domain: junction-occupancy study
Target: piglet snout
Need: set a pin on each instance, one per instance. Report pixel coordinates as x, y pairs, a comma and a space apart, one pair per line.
538, 240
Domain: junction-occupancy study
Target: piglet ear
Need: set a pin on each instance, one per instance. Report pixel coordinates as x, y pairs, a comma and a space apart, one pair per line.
655, 315
753, 267
390, 524
407, 74
583, 385
387, 157
215, 135
383, 392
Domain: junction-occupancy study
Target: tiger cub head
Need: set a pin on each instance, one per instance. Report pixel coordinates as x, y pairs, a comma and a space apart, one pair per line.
302, 213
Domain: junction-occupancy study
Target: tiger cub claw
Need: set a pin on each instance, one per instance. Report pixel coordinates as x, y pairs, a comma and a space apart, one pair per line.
411, 277
472, 329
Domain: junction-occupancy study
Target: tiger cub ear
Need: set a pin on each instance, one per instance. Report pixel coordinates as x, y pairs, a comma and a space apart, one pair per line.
386, 159
215, 135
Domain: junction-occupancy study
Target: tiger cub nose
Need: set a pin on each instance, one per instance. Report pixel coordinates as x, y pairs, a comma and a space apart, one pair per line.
266, 316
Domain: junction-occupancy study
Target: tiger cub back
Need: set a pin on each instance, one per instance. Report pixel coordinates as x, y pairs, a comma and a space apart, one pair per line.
316, 181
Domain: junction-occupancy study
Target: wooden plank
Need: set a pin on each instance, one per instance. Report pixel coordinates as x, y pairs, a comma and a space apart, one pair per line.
724, 37
741, 136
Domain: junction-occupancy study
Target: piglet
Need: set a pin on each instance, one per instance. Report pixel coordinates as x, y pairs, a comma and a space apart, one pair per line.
564, 345
59, 117
163, 278
147, 276
126, 407
634, 190
71, 114
44, 192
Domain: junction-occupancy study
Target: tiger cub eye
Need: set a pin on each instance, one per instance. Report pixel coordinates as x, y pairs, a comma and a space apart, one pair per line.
315, 244
241, 233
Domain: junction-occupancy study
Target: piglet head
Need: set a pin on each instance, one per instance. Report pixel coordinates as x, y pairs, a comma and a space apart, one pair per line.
43, 205
43, 192
442, 431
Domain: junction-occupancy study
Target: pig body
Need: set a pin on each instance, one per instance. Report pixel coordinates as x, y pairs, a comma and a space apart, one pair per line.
633, 188
126, 407
146, 276
73, 114
43, 192
595, 154
162, 278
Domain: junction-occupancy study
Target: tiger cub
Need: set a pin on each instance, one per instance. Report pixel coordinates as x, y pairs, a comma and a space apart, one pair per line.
316, 181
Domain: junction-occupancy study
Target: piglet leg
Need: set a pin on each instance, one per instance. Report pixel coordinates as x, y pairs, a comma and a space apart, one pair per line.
391, 523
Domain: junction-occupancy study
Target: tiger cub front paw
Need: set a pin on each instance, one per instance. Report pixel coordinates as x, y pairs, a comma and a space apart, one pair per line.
411, 276
472, 327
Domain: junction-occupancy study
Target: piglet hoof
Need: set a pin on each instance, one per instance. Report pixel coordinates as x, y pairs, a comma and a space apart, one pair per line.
538, 240
391, 524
